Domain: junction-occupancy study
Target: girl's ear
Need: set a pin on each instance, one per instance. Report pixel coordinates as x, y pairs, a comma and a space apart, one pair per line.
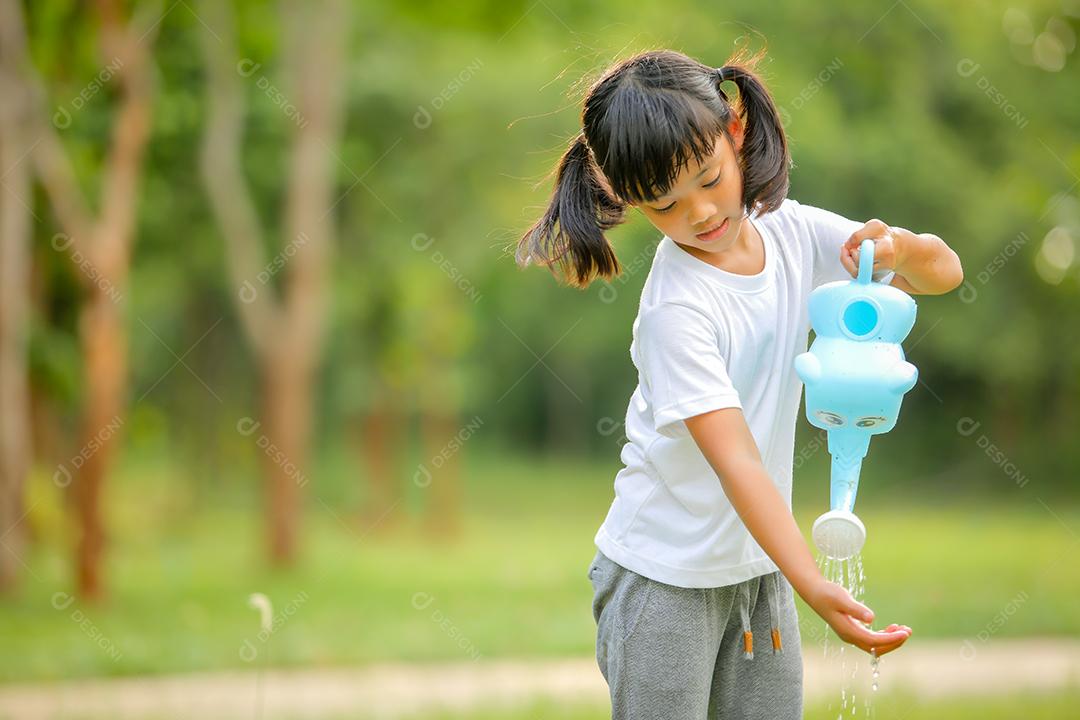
735, 130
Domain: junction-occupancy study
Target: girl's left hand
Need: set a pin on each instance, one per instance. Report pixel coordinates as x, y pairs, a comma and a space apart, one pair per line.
886, 247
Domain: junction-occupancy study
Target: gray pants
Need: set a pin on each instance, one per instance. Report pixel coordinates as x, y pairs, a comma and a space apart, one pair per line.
683, 653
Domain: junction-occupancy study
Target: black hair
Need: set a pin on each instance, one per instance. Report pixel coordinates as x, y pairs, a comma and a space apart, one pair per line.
642, 121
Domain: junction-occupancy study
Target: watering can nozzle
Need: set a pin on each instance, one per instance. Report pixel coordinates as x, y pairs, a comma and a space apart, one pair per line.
839, 534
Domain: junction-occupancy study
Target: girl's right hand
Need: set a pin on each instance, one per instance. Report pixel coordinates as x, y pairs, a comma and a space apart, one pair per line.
846, 616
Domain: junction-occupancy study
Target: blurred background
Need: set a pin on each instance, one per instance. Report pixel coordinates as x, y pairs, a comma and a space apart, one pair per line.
261, 332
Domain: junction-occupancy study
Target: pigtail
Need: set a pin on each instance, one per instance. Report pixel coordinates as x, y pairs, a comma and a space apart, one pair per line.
571, 232
764, 158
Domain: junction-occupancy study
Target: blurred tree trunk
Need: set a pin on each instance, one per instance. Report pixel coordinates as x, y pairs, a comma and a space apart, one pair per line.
440, 430
101, 248
15, 236
381, 435
444, 330
285, 328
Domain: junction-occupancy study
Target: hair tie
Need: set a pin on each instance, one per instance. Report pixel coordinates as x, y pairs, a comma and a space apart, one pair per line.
726, 73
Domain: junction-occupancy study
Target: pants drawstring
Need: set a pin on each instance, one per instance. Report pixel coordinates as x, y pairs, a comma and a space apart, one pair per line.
773, 593
744, 614
770, 587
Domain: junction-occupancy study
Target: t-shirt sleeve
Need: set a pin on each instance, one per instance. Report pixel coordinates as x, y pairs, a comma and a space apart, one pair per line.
680, 353
828, 233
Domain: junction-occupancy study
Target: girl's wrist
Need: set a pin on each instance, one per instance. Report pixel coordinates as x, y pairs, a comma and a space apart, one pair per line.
810, 586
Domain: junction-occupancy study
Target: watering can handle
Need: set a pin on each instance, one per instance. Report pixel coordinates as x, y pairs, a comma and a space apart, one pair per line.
866, 261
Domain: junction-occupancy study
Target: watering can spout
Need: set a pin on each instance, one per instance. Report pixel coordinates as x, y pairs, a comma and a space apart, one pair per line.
847, 450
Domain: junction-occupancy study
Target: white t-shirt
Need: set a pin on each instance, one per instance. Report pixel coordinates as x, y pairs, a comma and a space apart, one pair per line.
706, 339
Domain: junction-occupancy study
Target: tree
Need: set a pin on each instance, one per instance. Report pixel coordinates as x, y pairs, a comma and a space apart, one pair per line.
15, 234
285, 328
100, 244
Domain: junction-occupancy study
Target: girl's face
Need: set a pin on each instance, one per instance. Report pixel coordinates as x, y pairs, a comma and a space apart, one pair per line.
704, 209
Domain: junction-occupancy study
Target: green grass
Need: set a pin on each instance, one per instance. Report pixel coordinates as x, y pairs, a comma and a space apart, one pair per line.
885, 707
513, 584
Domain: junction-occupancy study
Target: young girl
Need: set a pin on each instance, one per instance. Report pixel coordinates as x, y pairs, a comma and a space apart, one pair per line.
699, 552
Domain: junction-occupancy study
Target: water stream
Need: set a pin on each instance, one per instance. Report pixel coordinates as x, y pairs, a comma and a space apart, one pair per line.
848, 573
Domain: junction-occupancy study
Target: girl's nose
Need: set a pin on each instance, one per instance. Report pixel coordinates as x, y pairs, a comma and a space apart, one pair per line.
702, 211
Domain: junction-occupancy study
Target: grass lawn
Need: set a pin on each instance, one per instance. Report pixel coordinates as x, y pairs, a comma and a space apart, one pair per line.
514, 584
885, 707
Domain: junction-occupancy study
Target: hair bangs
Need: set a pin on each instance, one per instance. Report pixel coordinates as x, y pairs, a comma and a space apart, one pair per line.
653, 136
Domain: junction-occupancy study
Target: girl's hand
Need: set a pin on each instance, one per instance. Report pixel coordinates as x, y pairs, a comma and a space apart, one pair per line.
887, 247
846, 616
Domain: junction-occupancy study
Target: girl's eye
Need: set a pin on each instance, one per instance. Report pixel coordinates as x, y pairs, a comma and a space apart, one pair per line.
710, 184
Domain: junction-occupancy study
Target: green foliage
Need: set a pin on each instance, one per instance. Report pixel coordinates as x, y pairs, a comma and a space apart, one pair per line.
455, 118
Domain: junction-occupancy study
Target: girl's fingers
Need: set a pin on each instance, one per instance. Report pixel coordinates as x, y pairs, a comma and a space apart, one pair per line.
859, 611
846, 261
864, 636
884, 649
881, 648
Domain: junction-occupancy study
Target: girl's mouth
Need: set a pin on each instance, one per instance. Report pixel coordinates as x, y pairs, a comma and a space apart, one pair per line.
715, 233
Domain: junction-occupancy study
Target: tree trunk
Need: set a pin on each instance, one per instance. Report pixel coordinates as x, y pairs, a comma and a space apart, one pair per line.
443, 437
104, 239
104, 348
382, 434
287, 424
286, 328
15, 233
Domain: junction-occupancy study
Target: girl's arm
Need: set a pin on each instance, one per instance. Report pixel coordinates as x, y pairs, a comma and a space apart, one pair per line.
924, 264
726, 442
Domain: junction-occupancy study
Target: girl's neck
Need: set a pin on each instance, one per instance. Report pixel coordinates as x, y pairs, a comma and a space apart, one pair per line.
746, 256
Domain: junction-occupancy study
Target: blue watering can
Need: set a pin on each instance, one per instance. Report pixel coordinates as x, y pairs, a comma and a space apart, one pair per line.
855, 376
